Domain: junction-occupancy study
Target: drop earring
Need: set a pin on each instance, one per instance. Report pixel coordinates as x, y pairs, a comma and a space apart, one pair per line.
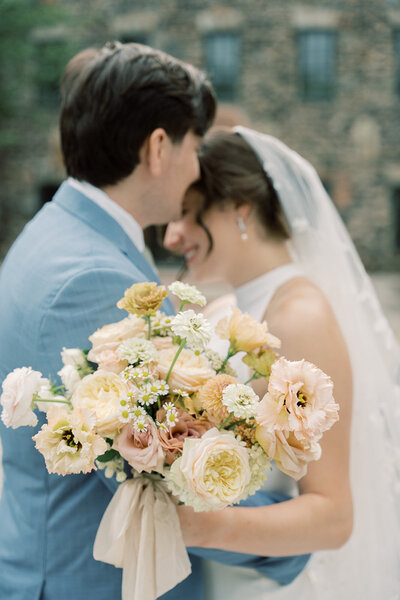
242, 228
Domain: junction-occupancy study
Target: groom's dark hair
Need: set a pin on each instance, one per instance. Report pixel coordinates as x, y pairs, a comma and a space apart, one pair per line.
114, 97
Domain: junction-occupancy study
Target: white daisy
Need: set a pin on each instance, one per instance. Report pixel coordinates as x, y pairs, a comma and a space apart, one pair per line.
138, 412
159, 387
140, 425
240, 400
146, 396
181, 393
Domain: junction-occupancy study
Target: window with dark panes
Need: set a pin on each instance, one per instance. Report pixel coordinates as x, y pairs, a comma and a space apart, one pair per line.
317, 64
136, 38
222, 54
397, 55
396, 218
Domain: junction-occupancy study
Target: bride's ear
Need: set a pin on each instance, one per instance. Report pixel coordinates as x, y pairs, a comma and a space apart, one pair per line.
157, 149
243, 211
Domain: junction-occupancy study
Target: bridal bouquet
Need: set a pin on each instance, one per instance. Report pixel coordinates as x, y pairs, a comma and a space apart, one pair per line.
152, 395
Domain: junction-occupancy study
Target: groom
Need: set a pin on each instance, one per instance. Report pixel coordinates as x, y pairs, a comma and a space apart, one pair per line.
131, 121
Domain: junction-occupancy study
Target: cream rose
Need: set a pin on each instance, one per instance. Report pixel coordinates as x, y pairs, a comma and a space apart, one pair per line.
107, 339
290, 454
215, 467
190, 371
19, 388
68, 441
102, 392
299, 399
245, 333
141, 449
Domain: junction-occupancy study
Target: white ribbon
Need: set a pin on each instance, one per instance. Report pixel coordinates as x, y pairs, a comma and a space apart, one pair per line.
140, 533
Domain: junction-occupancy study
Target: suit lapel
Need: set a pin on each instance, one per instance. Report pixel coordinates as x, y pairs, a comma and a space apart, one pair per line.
84, 209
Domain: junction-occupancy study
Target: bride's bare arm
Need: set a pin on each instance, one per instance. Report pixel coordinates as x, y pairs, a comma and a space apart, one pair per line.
321, 516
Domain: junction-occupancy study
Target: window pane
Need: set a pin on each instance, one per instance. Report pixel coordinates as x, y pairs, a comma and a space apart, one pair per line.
317, 64
396, 215
223, 63
397, 54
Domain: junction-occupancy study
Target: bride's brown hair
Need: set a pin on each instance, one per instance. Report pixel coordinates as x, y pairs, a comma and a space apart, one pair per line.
231, 173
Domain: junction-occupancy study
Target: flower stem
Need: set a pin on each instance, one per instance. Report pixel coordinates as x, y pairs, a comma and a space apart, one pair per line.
147, 318
37, 399
254, 376
228, 356
181, 347
225, 423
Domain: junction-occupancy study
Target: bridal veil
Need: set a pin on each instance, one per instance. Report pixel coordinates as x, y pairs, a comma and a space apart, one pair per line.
367, 567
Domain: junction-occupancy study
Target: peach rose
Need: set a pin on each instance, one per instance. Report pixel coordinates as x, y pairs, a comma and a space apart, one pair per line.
106, 340
290, 454
163, 342
299, 399
245, 333
190, 371
172, 439
141, 449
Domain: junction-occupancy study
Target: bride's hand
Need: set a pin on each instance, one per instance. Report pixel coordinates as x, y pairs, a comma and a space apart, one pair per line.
198, 527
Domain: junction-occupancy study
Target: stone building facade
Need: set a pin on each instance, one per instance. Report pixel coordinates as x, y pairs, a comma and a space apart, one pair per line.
322, 75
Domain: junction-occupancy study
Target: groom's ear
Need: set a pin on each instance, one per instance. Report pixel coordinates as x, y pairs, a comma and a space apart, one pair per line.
157, 151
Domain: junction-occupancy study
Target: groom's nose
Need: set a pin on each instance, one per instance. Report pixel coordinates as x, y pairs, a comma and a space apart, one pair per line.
173, 237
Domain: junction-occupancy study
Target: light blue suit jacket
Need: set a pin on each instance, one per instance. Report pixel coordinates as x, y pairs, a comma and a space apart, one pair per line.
58, 284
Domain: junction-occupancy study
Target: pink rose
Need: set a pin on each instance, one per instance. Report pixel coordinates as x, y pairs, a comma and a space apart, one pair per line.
173, 438
290, 454
141, 449
108, 360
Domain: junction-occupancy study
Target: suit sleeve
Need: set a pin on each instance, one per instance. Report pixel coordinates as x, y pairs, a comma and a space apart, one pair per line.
84, 303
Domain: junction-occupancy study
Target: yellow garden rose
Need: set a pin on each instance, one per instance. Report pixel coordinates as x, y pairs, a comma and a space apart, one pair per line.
244, 333
102, 392
216, 468
143, 298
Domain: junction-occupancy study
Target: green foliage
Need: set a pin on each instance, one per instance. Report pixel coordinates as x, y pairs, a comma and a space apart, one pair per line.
27, 63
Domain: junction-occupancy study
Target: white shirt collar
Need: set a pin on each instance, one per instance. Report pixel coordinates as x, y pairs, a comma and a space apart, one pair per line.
119, 214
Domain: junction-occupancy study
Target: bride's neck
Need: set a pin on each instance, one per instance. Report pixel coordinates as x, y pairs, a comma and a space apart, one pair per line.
255, 258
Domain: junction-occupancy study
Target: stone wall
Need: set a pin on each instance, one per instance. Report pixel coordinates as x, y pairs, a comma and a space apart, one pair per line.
352, 139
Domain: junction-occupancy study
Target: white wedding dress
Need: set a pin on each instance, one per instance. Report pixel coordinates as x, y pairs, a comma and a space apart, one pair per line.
236, 583
367, 567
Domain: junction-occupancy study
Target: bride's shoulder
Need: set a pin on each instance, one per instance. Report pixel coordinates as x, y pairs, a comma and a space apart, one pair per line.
219, 307
299, 304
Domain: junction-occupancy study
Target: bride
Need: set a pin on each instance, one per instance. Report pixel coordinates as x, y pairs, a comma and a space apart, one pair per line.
260, 220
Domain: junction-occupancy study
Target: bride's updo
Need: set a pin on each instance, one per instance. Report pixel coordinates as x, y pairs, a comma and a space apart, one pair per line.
232, 174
